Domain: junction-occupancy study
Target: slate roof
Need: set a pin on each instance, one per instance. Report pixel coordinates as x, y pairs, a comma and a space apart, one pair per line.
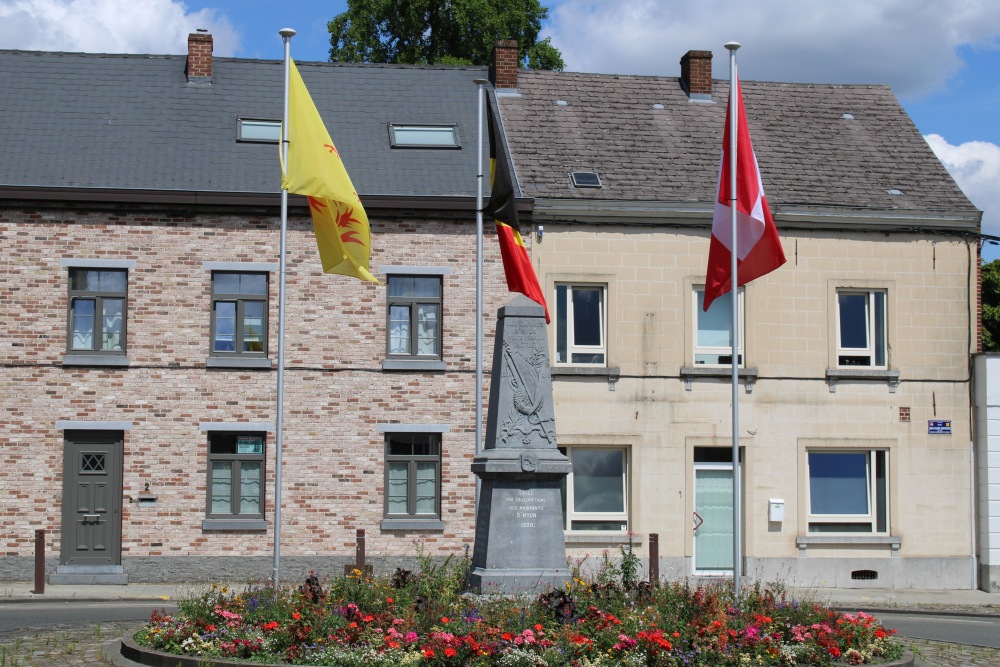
809, 154
135, 122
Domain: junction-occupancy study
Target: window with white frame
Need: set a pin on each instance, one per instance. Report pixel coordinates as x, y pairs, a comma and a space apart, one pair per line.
414, 316
712, 335
861, 328
97, 311
595, 493
235, 475
581, 324
412, 475
848, 491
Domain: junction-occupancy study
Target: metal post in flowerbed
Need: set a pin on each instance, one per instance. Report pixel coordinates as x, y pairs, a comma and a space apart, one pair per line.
426, 617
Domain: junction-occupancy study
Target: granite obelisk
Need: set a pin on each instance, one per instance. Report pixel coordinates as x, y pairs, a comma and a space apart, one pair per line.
520, 546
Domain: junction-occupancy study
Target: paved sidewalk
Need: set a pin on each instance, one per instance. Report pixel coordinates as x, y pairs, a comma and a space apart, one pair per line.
858, 599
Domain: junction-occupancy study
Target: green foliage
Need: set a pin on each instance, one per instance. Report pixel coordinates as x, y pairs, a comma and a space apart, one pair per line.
440, 32
991, 306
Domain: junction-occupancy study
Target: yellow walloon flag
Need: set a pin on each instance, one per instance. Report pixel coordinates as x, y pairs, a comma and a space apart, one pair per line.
314, 169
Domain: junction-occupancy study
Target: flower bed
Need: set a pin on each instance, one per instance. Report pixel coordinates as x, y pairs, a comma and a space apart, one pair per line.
423, 618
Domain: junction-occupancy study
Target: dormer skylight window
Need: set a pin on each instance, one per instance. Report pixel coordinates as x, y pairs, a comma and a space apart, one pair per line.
423, 136
257, 130
895, 192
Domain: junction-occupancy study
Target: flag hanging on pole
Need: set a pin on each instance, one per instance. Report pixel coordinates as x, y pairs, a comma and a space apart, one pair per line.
314, 169
759, 250
516, 263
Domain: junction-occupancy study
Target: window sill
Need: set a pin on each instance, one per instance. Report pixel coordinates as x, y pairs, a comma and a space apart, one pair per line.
691, 373
835, 375
413, 524
600, 537
95, 360
234, 524
803, 542
237, 362
413, 365
598, 371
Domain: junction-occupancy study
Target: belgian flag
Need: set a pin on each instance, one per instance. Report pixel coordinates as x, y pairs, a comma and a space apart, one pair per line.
516, 263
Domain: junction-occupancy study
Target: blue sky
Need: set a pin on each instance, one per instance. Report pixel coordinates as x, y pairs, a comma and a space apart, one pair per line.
941, 57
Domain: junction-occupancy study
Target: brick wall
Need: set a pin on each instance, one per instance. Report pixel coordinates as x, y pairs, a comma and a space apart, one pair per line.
335, 389
505, 63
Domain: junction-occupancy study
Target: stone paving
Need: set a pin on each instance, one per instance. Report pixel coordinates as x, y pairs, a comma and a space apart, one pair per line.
80, 646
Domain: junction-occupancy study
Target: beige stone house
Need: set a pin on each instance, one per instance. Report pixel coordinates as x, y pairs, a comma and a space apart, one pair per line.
855, 413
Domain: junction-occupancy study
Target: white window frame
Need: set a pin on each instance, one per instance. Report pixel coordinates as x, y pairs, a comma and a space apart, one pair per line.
871, 518
570, 515
877, 336
697, 298
571, 347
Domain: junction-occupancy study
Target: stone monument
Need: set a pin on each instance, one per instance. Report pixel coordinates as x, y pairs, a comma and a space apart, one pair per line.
520, 545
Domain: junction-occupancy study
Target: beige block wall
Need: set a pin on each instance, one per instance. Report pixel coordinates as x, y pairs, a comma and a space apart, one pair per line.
790, 340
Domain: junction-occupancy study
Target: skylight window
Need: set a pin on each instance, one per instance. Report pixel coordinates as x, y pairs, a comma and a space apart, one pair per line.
585, 179
265, 131
423, 136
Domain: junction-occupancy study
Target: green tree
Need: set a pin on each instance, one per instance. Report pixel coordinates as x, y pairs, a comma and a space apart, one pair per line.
440, 32
991, 306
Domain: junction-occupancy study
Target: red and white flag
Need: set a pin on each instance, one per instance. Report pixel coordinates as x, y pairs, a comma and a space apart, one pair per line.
758, 249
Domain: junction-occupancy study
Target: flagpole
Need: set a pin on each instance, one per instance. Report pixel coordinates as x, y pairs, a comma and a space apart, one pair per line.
735, 331
480, 94
286, 37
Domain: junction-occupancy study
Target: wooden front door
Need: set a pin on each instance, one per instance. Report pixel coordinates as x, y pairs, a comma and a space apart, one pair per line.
92, 498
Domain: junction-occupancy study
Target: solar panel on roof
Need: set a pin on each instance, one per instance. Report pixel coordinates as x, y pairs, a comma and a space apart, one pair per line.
585, 179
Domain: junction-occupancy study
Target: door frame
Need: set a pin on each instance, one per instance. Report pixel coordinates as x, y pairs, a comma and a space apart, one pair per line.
73, 442
719, 465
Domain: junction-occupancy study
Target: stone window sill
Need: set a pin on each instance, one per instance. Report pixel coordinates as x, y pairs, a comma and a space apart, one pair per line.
413, 365
835, 375
691, 373
413, 524
234, 524
803, 542
95, 360
598, 371
238, 362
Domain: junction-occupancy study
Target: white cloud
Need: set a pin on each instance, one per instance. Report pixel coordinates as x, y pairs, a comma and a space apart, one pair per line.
110, 26
909, 44
975, 166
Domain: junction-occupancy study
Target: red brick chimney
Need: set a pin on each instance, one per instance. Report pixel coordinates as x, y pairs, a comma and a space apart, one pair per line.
503, 74
696, 74
199, 62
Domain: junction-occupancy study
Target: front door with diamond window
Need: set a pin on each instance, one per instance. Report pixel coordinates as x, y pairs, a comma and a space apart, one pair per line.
92, 498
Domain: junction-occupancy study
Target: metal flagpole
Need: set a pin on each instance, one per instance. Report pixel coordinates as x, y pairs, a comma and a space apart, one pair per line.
286, 37
735, 331
480, 94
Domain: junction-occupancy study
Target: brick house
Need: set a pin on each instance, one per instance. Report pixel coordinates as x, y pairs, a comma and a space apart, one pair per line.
139, 216
855, 408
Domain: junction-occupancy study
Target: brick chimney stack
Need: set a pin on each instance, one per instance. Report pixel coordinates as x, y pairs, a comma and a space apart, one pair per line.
696, 75
503, 74
199, 61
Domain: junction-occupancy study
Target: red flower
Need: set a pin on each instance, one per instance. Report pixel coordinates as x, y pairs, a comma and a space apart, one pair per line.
834, 651
428, 653
389, 600
538, 626
297, 616
506, 636
450, 652
445, 620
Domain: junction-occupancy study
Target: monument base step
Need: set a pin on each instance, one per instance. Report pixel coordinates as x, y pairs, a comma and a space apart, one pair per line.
518, 580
